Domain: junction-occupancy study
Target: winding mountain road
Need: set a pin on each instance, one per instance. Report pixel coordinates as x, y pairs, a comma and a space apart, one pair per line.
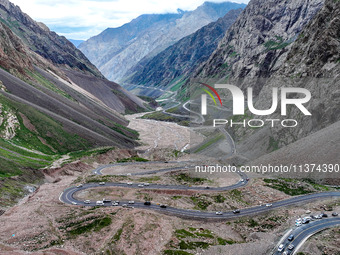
68, 196
301, 234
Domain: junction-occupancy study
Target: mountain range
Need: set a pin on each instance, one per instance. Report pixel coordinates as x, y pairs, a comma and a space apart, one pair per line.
271, 44
173, 65
116, 50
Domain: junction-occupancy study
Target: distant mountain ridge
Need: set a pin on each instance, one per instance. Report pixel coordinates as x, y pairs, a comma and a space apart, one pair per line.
76, 42
176, 63
116, 50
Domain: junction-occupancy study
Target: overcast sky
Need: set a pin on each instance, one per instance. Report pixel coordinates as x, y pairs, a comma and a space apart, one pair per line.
81, 19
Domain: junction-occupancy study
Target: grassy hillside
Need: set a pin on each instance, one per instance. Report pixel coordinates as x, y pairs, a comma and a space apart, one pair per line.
29, 140
53, 102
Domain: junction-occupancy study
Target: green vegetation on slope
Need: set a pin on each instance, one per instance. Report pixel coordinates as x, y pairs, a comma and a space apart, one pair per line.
38, 142
132, 159
186, 178
46, 83
201, 203
194, 238
209, 143
289, 186
276, 44
178, 85
84, 153
57, 140
95, 225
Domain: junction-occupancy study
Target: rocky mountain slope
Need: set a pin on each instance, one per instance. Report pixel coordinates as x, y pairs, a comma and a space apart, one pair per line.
41, 40
312, 63
280, 44
117, 50
176, 63
259, 41
53, 50
53, 101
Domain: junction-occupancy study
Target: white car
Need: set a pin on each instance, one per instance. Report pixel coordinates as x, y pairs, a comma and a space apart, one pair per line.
115, 204
269, 205
79, 185
87, 201
129, 183
102, 183
146, 184
74, 203
219, 213
99, 203
280, 248
128, 174
131, 202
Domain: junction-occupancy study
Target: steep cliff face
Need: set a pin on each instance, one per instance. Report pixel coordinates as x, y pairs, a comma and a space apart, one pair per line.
44, 42
313, 62
317, 49
177, 62
117, 50
258, 43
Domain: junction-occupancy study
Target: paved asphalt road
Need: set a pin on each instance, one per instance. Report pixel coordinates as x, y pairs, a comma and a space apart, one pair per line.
68, 197
301, 233
306, 230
